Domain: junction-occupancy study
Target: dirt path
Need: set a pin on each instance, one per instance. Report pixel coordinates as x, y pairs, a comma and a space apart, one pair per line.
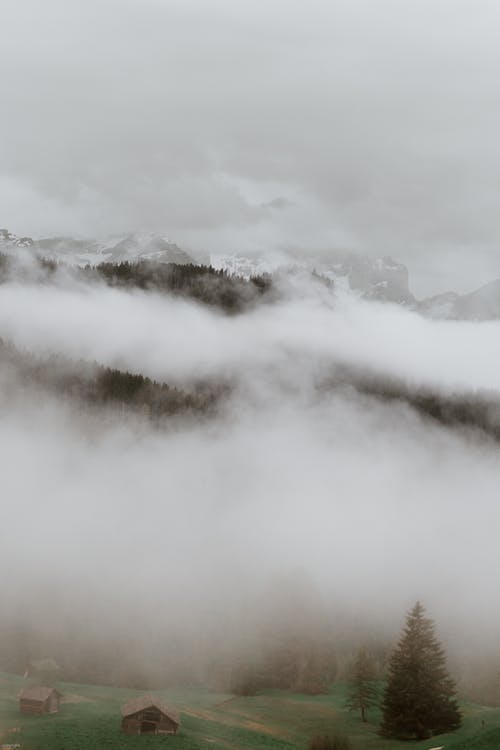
253, 726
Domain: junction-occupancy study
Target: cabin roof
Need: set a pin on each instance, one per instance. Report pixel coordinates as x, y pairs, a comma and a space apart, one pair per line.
36, 693
143, 702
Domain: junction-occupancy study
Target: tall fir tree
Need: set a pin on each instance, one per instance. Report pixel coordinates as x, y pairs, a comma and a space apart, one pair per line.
362, 693
419, 699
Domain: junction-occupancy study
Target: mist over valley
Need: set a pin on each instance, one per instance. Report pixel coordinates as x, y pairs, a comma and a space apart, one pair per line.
249, 375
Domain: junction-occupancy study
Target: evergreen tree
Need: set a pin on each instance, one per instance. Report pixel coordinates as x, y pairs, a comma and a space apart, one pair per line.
362, 688
419, 699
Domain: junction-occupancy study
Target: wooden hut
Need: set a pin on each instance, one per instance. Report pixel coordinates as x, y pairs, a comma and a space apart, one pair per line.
149, 715
39, 700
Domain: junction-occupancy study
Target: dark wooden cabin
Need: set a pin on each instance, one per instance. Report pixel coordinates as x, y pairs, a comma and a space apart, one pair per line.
149, 715
39, 700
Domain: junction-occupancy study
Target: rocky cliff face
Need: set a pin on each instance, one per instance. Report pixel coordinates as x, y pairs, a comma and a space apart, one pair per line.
380, 279
482, 304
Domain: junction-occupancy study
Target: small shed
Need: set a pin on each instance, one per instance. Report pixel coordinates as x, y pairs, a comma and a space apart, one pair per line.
39, 700
149, 715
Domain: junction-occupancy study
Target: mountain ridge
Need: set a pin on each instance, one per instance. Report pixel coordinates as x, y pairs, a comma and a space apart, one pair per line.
381, 279
132, 246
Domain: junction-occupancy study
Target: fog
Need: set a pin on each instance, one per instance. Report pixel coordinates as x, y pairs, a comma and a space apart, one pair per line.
254, 126
174, 340
363, 503
295, 501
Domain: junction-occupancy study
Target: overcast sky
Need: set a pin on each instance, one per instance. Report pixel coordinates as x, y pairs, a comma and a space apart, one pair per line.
242, 125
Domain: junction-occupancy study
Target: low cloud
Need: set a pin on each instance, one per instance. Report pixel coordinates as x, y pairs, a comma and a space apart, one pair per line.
375, 504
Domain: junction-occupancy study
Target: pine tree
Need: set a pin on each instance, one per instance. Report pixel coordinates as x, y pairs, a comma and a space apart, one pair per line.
419, 699
362, 687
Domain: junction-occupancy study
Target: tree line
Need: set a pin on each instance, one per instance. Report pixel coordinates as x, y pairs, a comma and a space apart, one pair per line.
205, 284
92, 384
95, 386
201, 283
478, 411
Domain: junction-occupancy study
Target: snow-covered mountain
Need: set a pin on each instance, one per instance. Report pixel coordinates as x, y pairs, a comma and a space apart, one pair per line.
130, 247
382, 279
147, 247
11, 241
240, 265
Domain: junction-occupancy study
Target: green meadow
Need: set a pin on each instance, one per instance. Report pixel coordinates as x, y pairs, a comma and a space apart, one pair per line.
90, 720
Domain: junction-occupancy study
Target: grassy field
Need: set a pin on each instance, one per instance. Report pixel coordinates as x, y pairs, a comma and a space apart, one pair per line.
90, 720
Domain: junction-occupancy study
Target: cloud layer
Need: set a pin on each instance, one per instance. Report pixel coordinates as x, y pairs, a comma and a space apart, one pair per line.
375, 505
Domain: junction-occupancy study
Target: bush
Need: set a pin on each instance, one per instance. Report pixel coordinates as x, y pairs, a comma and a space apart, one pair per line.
330, 742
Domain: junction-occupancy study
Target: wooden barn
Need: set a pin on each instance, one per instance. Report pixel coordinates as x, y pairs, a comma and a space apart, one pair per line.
149, 715
39, 700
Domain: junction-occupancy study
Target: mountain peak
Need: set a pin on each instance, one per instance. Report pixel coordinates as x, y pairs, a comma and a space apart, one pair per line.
131, 247
7, 239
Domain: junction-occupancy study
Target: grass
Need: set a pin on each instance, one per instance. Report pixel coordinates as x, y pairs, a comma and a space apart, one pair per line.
90, 720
